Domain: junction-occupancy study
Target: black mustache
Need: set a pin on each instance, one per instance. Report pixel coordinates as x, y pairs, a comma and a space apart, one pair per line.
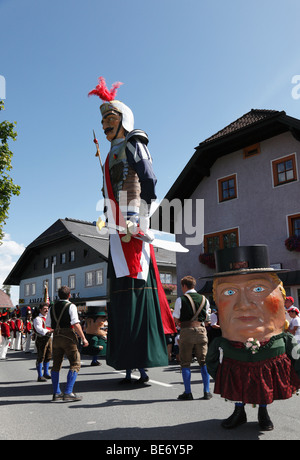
108, 130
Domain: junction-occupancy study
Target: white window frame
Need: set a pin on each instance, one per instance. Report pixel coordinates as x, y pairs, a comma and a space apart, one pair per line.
89, 279
58, 283
72, 281
99, 277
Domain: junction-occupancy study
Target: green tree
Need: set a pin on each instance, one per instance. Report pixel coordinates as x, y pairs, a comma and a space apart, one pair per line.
6, 288
7, 186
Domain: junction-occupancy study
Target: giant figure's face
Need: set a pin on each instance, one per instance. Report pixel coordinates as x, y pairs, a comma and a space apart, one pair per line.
94, 326
110, 124
249, 306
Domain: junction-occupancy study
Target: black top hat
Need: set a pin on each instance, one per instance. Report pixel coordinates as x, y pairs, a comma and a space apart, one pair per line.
95, 311
243, 260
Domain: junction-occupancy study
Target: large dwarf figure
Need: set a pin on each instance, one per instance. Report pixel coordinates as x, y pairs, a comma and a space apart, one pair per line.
96, 334
254, 361
138, 312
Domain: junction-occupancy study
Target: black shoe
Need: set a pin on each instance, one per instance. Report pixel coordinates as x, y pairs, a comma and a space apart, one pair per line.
42, 379
47, 377
185, 396
237, 418
125, 382
207, 396
71, 397
95, 363
142, 380
264, 420
57, 397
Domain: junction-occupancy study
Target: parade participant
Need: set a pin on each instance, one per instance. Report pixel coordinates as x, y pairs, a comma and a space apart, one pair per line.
289, 302
138, 311
190, 313
5, 335
18, 332
63, 319
294, 325
96, 334
254, 361
43, 343
27, 329
12, 327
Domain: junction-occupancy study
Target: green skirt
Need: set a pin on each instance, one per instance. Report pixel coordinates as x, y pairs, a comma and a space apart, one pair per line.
135, 336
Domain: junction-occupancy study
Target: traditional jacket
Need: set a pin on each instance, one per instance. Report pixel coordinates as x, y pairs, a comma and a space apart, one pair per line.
19, 325
27, 326
95, 341
12, 327
5, 330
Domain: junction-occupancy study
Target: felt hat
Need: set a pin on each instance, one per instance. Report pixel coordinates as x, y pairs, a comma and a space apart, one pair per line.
243, 260
93, 312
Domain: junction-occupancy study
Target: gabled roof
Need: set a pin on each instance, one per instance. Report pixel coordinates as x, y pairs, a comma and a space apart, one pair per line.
247, 120
83, 231
254, 126
5, 300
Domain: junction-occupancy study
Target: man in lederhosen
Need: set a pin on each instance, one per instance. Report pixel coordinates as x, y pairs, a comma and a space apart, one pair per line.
64, 320
190, 313
43, 343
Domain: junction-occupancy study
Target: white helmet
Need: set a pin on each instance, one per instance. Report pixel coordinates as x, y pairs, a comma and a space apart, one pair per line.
126, 112
110, 104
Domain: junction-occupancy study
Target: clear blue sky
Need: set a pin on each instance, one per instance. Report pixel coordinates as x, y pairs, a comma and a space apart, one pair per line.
189, 69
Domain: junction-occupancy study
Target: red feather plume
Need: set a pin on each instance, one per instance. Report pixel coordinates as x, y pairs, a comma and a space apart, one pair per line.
102, 91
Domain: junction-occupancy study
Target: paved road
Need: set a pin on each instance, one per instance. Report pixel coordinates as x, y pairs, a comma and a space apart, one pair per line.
110, 412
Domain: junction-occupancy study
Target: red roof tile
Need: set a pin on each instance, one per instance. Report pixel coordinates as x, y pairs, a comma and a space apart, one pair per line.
247, 120
5, 301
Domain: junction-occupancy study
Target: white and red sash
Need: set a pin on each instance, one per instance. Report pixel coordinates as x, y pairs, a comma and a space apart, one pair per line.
132, 259
129, 259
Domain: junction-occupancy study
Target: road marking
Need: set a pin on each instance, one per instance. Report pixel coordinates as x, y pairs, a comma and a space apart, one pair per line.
168, 385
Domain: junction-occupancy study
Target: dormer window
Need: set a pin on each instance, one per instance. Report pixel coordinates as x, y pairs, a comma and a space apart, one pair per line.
251, 150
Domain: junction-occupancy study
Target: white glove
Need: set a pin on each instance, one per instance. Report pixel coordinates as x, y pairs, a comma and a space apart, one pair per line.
144, 226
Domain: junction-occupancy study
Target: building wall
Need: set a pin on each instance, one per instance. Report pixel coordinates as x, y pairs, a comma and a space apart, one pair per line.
260, 210
80, 290
84, 255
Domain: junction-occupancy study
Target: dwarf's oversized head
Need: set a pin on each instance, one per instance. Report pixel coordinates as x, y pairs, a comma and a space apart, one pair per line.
248, 293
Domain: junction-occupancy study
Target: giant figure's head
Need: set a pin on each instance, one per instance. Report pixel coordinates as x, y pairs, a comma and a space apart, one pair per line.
248, 293
117, 118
